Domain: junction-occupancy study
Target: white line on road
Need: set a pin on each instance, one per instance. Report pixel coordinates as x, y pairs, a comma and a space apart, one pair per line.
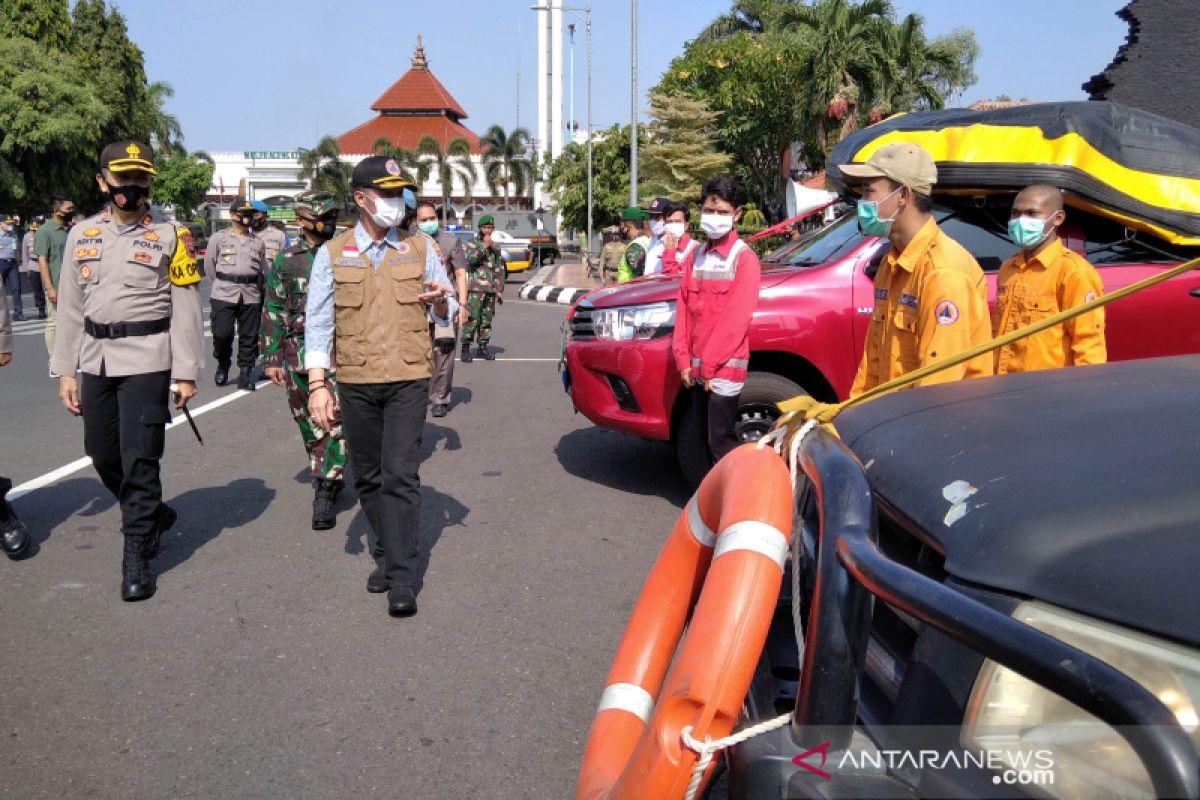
43, 481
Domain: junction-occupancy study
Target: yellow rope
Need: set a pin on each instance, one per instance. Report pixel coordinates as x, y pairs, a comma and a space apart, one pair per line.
800, 409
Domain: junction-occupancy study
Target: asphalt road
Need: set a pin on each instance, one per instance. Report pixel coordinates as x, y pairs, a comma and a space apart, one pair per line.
262, 668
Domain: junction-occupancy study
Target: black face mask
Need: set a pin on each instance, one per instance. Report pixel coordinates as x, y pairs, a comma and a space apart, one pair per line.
259, 224
131, 196
246, 222
324, 229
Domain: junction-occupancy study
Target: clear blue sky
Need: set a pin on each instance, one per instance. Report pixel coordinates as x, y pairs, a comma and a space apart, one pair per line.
275, 75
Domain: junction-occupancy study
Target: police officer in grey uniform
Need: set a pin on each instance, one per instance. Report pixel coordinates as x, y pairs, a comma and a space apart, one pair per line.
236, 262
129, 320
445, 337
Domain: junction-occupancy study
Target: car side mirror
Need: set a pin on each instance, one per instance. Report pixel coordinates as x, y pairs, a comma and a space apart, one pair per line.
876, 260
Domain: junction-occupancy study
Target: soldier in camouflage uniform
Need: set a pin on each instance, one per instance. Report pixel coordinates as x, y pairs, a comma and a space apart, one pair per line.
485, 273
283, 345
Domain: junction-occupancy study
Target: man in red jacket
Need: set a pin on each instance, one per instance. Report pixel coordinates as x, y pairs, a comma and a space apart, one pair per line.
717, 297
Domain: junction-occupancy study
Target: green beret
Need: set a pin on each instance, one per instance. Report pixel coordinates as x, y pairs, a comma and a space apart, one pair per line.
487, 219
317, 203
634, 214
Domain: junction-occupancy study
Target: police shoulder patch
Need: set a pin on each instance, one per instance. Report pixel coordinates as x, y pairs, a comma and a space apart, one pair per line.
189, 243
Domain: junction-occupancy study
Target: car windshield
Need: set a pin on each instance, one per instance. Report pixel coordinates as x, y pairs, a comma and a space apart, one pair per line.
830, 243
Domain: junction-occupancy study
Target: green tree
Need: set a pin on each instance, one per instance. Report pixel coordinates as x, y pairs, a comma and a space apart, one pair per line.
506, 161
752, 84
323, 169
413, 166
746, 16
166, 134
566, 179
44, 21
115, 65
50, 140
843, 64
183, 180
448, 165
681, 151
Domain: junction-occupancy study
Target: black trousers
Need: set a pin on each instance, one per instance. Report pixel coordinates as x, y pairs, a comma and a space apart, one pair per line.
720, 414
39, 294
248, 317
383, 423
124, 428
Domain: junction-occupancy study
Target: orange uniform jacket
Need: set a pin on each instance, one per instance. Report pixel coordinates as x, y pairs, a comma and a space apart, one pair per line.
930, 303
1031, 289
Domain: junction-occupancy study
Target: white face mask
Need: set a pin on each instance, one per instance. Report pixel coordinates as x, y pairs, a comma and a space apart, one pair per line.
657, 226
716, 226
389, 211
676, 229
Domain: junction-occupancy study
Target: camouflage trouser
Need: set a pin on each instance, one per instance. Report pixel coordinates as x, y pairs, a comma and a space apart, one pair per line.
482, 307
326, 449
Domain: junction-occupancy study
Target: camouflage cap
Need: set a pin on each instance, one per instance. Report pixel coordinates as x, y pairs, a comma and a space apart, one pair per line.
316, 202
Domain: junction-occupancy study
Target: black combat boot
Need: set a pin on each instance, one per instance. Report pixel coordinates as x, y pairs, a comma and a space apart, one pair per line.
326, 494
137, 579
222, 376
246, 379
466, 353
487, 353
14, 536
165, 521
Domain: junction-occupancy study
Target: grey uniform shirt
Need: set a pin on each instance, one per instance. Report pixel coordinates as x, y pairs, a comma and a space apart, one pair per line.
129, 273
274, 241
29, 262
229, 254
452, 251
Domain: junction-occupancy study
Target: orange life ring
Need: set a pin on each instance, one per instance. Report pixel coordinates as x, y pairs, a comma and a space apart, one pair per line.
728, 583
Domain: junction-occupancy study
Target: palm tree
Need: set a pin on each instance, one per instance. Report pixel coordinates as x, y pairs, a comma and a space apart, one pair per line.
844, 63
415, 169
505, 160
746, 16
166, 134
916, 74
322, 167
452, 163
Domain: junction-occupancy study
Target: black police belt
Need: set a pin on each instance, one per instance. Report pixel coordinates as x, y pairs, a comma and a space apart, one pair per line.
246, 279
120, 330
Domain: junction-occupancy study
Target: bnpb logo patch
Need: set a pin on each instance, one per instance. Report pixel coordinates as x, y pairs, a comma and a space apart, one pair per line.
946, 313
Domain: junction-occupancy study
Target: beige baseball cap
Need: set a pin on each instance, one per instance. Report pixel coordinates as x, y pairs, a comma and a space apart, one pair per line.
904, 163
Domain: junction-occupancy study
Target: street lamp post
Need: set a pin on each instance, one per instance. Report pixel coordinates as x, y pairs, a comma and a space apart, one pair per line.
584, 14
633, 139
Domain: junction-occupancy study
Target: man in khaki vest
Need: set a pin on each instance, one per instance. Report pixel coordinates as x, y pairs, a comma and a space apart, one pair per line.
372, 293
129, 320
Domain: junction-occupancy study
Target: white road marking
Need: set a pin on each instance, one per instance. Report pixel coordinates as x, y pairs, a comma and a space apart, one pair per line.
43, 481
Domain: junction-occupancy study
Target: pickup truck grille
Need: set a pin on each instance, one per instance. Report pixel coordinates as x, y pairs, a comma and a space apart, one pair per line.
581, 323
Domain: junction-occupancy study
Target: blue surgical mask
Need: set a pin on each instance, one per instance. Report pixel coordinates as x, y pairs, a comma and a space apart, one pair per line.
868, 217
428, 228
1027, 232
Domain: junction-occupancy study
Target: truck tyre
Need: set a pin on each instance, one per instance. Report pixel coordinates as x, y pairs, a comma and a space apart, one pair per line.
755, 416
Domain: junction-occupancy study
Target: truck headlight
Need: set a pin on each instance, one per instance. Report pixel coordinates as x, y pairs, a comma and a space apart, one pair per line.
634, 322
1016, 716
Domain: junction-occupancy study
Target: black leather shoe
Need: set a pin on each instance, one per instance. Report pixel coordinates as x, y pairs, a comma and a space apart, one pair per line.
377, 581
14, 536
487, 353
246, 380
41, 315
402, 601
18, 317
166, 520
326, 493
466, 354
440, 409
137, 579
222, 376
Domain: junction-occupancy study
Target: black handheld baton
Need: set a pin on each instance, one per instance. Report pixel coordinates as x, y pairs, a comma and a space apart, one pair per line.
188, 415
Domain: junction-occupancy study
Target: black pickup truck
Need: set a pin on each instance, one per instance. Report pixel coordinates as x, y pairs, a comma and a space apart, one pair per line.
994, 592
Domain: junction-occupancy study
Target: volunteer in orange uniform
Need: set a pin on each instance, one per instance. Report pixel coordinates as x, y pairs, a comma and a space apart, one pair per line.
930, 294
717, 298
1041, 280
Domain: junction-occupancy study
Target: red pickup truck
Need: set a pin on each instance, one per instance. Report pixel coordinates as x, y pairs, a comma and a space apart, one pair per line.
814, 304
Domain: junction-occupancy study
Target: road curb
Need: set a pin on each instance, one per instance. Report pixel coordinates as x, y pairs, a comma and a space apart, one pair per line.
540, 290
542, 293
